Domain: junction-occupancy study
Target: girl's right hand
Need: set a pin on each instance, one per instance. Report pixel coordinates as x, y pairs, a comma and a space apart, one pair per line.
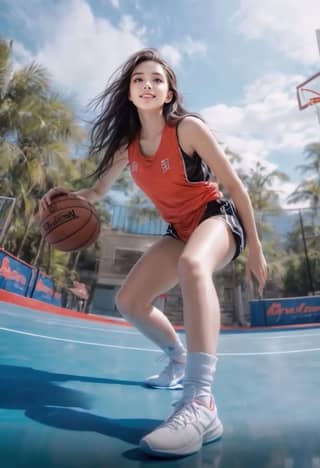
46, 200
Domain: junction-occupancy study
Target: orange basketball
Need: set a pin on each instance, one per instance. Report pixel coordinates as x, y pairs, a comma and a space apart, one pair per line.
70, 223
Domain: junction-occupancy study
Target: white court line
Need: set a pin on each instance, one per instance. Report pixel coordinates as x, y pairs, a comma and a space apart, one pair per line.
54, 338
105, 330
102, 345
289, 336
272, 335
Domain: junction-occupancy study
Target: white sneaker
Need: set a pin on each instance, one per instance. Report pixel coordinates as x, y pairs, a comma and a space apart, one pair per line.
171, 377
190, 426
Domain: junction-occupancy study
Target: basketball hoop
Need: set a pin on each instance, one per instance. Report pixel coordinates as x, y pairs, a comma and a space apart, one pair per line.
315, 101
308, 92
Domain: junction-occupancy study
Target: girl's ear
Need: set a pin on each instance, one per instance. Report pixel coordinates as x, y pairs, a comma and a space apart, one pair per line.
169, 96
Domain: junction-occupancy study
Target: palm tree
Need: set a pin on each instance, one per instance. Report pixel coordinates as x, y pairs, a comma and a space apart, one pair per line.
304, 239
36, 129
309, 189
259, 182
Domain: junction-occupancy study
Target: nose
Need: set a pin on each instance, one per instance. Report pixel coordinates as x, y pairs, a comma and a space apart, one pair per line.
147, 85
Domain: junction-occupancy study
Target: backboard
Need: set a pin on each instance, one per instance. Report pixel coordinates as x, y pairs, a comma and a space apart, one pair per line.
308, 92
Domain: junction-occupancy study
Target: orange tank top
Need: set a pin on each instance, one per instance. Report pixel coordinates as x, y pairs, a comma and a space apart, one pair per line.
177, 184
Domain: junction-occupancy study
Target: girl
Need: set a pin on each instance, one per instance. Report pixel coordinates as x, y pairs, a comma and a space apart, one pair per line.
171, 155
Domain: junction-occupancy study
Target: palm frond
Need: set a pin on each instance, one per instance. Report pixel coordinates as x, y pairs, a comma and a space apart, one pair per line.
32, 79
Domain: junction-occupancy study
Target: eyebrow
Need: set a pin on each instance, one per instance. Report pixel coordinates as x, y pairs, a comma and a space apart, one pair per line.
153, 73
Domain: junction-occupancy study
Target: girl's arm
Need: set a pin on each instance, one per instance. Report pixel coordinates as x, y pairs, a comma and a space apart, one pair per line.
194, 135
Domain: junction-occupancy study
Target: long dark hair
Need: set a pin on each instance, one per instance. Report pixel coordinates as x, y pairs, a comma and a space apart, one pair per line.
118, 122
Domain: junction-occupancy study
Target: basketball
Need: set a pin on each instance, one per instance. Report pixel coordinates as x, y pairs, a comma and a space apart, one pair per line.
70, 223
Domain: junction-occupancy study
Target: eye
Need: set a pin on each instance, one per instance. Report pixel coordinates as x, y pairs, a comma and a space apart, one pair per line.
136, 80
158, 80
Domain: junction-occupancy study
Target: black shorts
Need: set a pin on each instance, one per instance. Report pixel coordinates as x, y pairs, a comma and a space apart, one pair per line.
227, 210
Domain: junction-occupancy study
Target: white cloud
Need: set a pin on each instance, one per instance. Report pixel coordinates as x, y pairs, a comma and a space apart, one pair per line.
289, 25
127, 24
193, 47
21, 55
171, 54
283, 189
266, 121
187, 47
85, 50
115, 3
80, 50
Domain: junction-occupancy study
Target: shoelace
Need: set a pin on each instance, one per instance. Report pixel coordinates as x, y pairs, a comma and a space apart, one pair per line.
184, 414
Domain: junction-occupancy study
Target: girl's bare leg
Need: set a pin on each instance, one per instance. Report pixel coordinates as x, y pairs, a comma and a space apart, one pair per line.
209, 249
195, 420
154, 274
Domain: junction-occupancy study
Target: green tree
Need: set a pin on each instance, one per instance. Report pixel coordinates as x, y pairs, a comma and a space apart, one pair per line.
296, 278
304, 240
259, 182
36, 129
309, 189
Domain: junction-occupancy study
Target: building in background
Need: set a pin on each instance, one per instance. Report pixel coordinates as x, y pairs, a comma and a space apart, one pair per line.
122, 243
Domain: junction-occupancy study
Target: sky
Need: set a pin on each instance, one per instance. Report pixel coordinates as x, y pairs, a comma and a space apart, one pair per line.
238, 62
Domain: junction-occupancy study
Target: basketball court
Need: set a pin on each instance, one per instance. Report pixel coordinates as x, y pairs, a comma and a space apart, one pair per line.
72, 395
72, 392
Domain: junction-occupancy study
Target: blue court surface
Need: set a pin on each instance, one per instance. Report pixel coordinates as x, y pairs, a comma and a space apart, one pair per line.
72, 396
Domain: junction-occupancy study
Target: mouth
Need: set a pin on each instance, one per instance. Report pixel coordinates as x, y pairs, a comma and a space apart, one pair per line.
147, 95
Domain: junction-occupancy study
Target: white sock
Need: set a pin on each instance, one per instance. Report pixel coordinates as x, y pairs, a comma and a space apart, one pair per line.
176, 352
198, 378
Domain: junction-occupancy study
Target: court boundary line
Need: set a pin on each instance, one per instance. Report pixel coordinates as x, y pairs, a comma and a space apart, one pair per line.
132, 348
68, 340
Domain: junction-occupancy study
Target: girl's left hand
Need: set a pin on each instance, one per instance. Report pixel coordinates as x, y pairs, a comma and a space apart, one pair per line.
257, 267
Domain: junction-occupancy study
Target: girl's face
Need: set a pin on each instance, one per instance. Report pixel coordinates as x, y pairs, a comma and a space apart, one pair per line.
149, 88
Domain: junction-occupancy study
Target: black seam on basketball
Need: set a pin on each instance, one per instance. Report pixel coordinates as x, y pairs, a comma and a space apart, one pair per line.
91, 236
89, 208
61, 224
70, 235
97, 228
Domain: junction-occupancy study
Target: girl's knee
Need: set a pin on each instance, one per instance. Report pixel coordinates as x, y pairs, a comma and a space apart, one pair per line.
190, 267
128, 304
123, 301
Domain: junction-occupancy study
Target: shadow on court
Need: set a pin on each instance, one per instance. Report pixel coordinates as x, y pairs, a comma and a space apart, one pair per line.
39, 394
128, 430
